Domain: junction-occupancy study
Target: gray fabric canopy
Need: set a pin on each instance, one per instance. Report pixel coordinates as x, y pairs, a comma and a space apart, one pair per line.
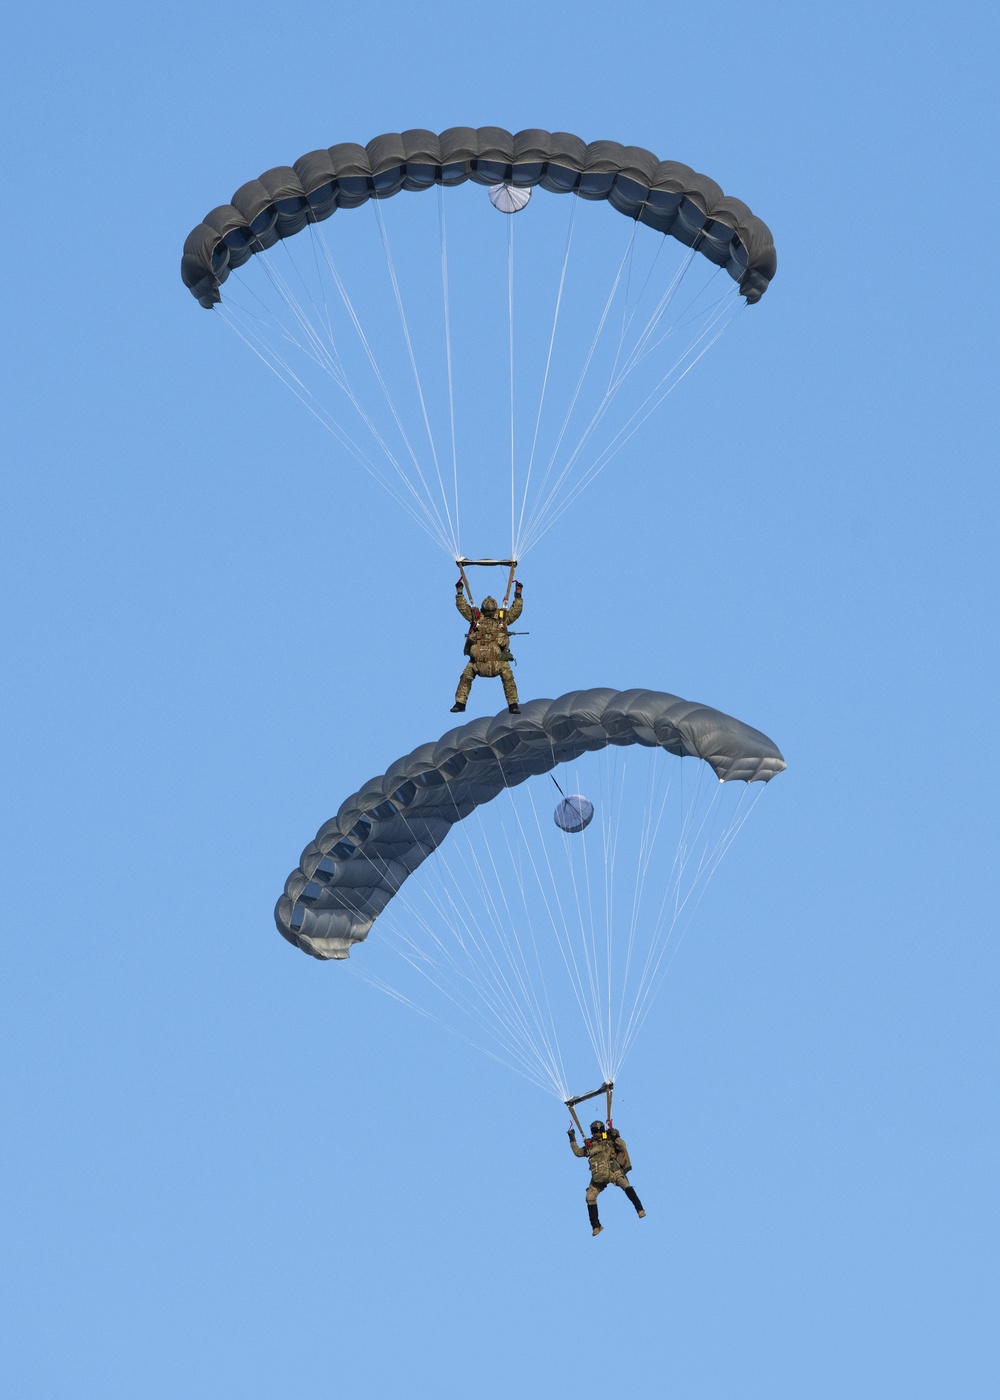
668, 196
382, 833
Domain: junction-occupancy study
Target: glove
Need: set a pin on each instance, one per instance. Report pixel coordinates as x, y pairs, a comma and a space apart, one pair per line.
517, 588
460, 585
571, 1134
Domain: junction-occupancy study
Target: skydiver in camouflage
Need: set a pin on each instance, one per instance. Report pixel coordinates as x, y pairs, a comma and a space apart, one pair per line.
488, 646
608, 1159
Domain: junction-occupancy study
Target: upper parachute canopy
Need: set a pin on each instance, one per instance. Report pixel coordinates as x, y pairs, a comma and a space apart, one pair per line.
668, 196
382, 834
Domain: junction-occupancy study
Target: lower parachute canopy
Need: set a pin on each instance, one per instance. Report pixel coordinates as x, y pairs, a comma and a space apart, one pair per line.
382, 834
492, 924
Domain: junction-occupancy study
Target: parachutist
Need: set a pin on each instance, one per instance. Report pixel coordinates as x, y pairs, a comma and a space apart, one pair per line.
487, 646
608, 1159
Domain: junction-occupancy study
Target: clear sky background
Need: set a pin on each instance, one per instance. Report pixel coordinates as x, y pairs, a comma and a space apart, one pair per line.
229, 1171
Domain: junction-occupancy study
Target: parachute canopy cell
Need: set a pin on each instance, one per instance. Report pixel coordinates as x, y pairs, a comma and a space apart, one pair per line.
666, 195
382, 833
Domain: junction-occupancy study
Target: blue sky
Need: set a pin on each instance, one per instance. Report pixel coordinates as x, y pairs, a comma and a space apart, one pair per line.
228, 1171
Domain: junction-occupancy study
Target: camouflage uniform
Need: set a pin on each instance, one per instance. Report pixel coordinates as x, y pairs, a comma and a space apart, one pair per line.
488, 642
608, 1160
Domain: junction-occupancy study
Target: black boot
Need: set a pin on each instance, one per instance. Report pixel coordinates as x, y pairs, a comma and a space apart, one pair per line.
592, 1212
630, 1193
514, 709
458, 707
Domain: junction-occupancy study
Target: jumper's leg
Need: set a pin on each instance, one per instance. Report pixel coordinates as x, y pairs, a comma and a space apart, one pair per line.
630, 1193
509, 687
464, 687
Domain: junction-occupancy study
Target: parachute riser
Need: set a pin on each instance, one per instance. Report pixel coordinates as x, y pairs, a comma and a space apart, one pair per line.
607, 1089
576, 1120
488, 563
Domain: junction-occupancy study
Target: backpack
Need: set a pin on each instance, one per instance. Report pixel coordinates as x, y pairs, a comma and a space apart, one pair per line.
621, 1156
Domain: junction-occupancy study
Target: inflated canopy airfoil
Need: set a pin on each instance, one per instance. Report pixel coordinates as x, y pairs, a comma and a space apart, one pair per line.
664, 194
383, 832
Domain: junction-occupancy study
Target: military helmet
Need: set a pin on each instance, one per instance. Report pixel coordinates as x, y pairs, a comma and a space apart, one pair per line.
597, 1126
489, 605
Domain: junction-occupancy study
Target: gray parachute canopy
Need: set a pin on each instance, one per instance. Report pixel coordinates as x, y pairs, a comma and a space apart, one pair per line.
382, 833
668, 196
